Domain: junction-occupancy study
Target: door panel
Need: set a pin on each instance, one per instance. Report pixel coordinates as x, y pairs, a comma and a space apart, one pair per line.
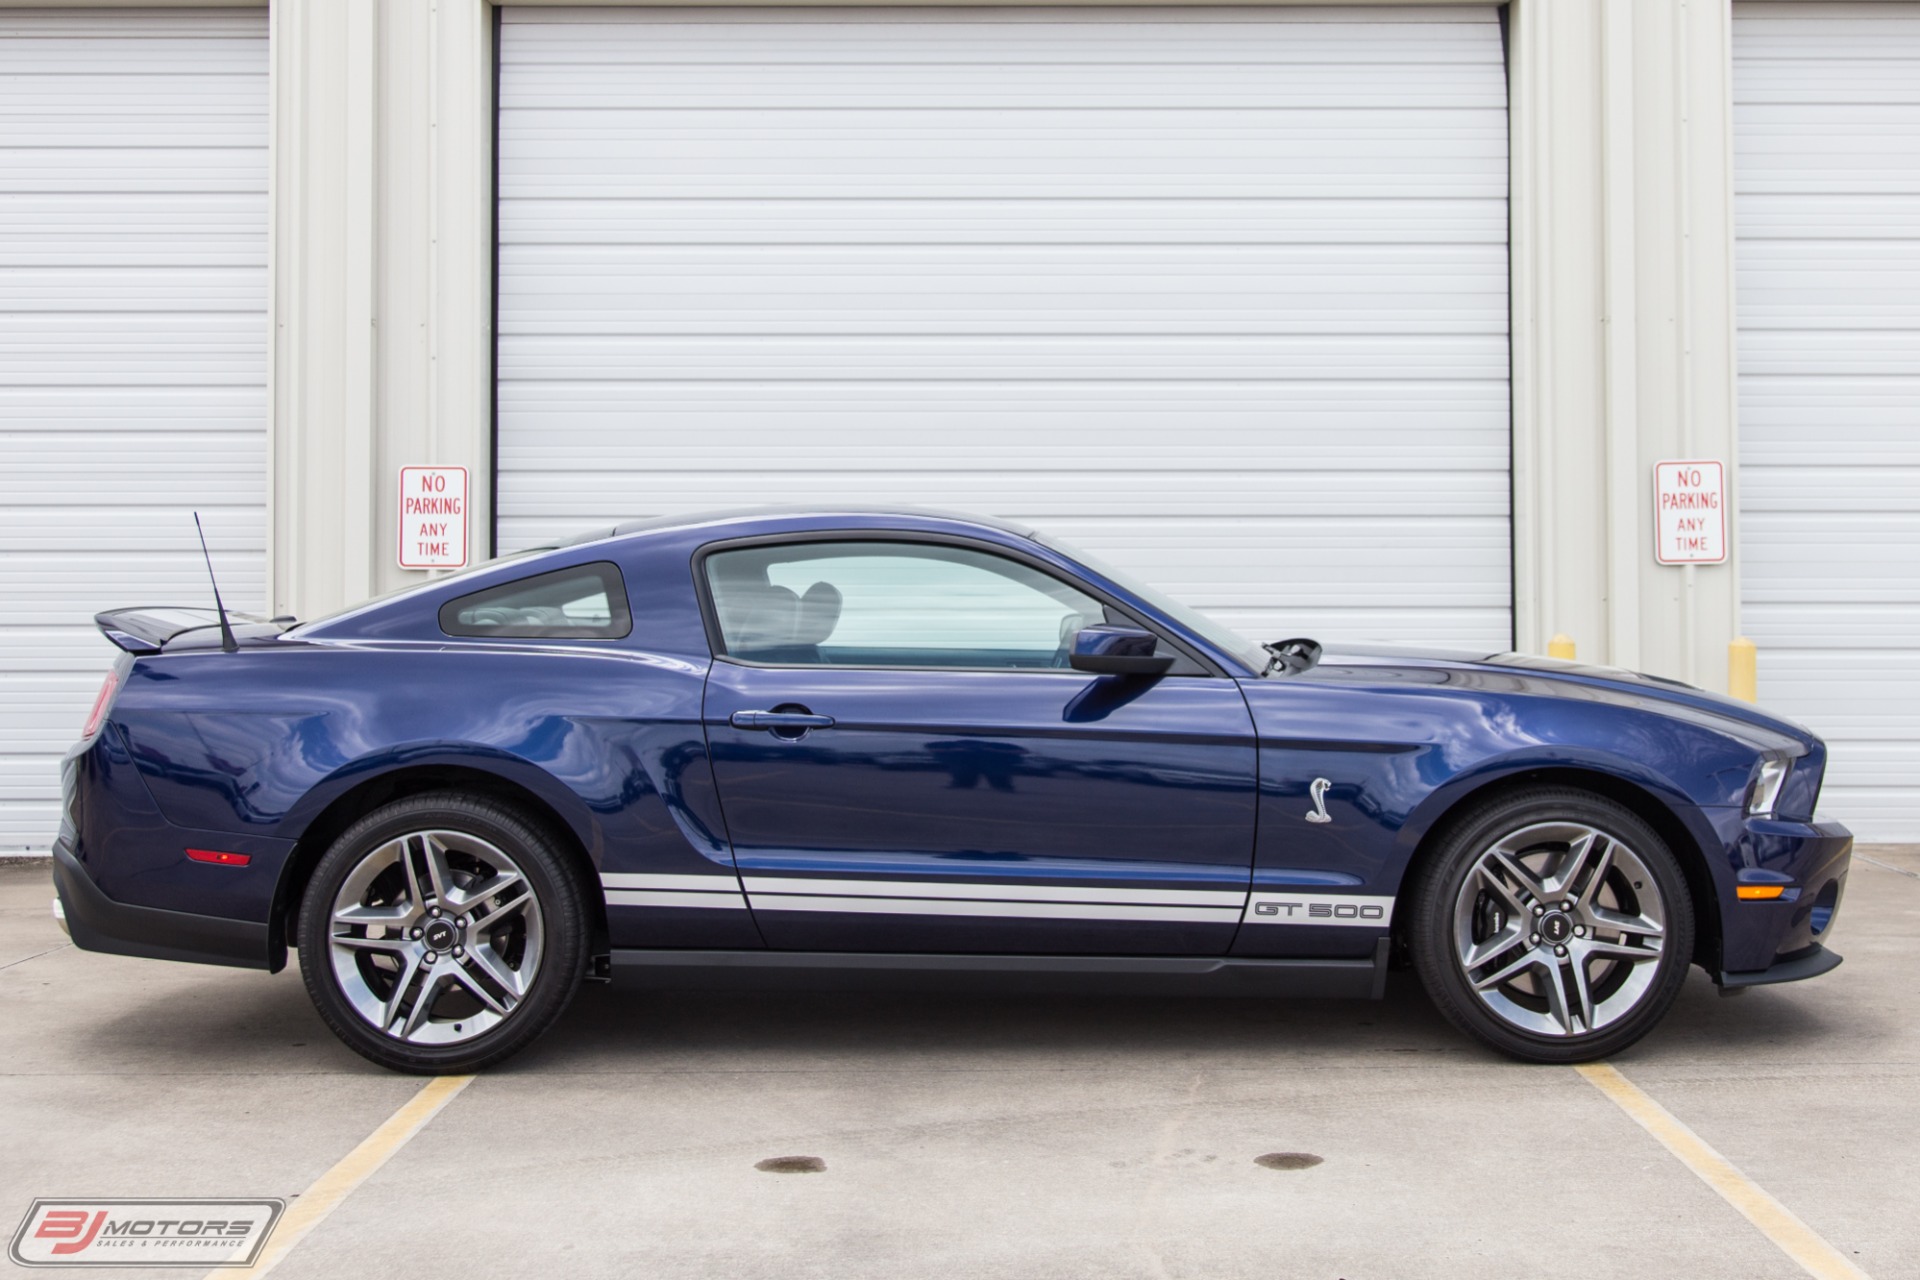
982, 811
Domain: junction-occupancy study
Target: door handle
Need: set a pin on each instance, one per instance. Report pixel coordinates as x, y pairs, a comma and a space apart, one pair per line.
779, 720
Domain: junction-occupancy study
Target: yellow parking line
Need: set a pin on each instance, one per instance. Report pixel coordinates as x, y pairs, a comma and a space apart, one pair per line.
339, 1182
1777, 1222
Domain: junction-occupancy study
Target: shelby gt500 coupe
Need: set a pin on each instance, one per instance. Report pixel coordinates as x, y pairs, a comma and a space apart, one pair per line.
767, 746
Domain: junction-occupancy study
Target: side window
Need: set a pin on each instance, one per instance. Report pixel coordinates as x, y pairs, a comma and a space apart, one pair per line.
880, 604
585, 602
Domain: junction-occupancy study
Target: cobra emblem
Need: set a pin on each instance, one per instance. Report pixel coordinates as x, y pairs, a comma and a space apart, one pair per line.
1319, 793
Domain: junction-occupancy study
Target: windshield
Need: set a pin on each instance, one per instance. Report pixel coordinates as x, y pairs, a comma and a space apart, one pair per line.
1224, 638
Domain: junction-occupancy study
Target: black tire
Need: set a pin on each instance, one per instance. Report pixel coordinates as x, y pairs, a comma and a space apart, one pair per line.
539, 939
1459, 914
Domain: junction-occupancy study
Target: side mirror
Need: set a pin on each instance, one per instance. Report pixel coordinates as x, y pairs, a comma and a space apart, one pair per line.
1118, 651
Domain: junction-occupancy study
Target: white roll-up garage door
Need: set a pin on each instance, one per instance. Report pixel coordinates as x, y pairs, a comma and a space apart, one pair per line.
133, 230
1219, 294
1827, 151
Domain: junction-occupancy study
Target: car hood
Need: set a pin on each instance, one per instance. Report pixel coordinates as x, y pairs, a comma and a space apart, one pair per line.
1553, 677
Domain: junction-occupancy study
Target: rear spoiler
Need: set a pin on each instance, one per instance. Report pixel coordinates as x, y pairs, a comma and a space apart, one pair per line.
151, 628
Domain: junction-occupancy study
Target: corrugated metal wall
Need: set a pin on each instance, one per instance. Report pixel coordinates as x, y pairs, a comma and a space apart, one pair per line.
133, 342
1827, 173
1220, 294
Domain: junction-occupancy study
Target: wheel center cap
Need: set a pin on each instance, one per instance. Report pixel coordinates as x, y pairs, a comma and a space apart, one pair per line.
441, 935
1556, 927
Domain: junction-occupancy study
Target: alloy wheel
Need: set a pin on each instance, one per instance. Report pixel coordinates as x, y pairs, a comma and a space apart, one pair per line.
1559, 928
435, 937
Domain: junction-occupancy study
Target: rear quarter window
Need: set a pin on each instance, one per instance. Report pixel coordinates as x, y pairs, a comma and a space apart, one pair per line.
582, 602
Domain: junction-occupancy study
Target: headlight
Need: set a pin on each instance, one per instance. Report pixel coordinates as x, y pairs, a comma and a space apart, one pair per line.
1763, 796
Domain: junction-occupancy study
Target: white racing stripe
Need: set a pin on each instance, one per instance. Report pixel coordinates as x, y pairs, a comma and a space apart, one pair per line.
996, 899
994, 891
1016, 910
668, 898
719, 882
704, 893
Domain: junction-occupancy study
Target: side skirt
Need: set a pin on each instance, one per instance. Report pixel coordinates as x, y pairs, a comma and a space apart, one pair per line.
1130, 975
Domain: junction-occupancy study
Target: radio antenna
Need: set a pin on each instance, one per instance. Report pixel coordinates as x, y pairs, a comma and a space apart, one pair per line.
227, 643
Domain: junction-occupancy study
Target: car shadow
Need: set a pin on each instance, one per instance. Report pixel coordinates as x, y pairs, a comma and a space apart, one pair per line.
189, 1019
608, 1024
610, 1028
1703, 1025
267, 1024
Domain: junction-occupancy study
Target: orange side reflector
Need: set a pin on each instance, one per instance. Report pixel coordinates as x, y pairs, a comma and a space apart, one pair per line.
219, 858
1759, 892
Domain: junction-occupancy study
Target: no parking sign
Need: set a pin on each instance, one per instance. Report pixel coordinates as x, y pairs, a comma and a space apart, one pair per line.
433, 517
1690, 513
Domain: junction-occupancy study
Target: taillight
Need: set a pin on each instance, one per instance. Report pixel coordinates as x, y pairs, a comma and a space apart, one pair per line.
100, 705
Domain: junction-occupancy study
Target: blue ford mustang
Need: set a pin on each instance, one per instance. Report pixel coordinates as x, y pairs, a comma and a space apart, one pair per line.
757, 747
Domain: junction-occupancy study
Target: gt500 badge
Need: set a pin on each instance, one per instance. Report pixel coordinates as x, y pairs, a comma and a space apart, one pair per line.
1319, 908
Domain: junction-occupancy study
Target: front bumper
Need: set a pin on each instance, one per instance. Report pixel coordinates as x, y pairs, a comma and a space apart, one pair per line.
98, 923
1785, 939
1811, 963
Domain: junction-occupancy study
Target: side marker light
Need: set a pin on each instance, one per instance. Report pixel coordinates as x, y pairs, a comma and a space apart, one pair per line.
1759, 892
221, 859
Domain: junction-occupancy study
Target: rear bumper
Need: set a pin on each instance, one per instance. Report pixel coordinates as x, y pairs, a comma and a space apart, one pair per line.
98, 923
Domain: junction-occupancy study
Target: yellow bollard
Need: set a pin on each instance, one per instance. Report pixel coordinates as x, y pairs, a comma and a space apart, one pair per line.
1561, 646
1743, 669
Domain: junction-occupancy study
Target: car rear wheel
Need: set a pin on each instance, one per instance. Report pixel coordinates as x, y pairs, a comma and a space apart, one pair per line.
1554, 925
442, 933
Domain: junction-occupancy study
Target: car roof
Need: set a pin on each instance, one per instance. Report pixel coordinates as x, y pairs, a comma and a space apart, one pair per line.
746, 520
801, 513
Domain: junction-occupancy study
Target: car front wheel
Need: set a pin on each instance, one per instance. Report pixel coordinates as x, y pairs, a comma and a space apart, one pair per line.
442, 933
1554, 925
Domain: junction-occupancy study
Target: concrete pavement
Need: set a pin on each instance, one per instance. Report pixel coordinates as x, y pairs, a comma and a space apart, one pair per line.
975, 1136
